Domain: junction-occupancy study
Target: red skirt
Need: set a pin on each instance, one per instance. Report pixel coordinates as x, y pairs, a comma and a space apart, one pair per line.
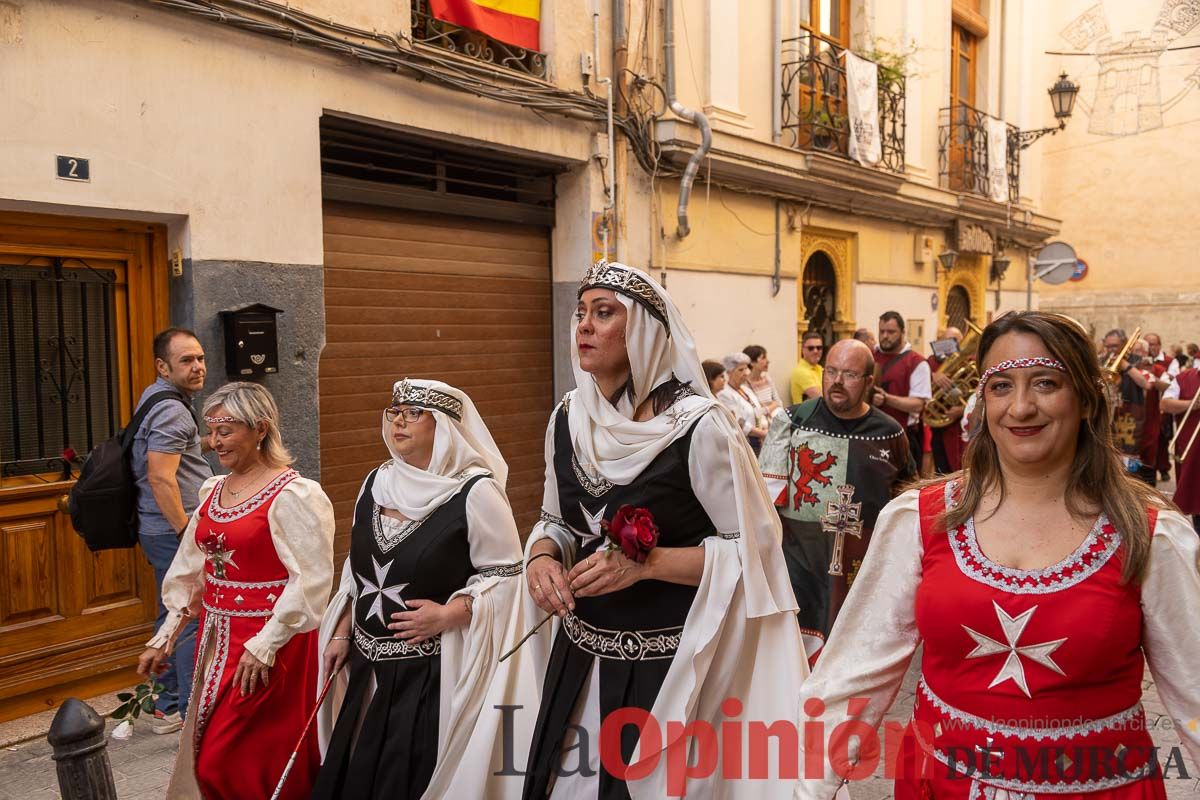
243, 744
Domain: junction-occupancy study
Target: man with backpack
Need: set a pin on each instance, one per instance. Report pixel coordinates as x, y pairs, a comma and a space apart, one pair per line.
169, 469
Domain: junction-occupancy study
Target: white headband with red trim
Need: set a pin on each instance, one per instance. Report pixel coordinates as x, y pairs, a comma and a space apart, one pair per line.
1018, 363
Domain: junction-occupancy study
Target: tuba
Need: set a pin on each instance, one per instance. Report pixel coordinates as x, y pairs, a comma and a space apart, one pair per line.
960, 368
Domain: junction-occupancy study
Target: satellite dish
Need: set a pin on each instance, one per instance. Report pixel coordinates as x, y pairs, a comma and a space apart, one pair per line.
1055, 263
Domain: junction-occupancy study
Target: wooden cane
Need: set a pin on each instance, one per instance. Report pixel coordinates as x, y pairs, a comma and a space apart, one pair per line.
292, 760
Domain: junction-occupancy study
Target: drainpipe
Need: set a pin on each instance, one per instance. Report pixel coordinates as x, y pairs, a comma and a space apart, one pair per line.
695, 117
620, 45
610, 189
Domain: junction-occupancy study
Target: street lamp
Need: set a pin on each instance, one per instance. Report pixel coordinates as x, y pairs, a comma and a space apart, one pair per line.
948, 259
1062, 99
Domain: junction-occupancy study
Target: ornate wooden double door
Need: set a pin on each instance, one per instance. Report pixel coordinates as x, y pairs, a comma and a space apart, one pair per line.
80, 301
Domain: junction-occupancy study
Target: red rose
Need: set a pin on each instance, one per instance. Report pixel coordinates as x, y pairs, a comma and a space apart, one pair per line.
69, 455
633, 530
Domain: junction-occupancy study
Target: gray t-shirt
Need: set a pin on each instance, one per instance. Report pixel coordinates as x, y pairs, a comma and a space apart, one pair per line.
168, 428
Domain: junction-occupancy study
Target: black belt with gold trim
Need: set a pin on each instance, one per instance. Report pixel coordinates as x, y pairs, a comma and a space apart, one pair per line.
648, 645
392, 649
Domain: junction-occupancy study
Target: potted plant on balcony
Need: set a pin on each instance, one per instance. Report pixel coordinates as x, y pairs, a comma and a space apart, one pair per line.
824, 126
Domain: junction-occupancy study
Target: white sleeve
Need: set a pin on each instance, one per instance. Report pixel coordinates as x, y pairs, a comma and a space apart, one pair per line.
919, 382
874, 638
301, 519
183, 585
551, 525
1172, 391
712, 474
1173, 367
492, 532
1171, 622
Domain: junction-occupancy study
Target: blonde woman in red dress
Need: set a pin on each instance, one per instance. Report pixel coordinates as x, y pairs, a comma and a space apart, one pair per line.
1041, 580
256, 564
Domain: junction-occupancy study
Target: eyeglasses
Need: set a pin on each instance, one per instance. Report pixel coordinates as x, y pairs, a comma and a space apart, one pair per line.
814, 347
409, 414
847, 375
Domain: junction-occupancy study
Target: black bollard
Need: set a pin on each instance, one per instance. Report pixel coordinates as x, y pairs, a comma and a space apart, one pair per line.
77, 736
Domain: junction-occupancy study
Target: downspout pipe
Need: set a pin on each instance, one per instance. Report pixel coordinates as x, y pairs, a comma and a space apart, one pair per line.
683, 112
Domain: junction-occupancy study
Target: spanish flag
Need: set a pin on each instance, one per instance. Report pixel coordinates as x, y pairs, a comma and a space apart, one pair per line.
513, 22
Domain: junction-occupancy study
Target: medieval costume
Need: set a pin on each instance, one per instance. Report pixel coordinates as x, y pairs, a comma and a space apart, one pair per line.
1031, 680
830, 478
905, 374
678, 651
1136, 424
258, 574
1187, 472
946, 442
418, 719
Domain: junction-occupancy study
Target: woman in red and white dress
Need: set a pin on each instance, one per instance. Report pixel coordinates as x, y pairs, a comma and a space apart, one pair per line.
256, 563
1041, 580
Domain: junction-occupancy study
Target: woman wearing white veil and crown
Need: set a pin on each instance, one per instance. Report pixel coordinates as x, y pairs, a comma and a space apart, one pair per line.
428, 602
703, 614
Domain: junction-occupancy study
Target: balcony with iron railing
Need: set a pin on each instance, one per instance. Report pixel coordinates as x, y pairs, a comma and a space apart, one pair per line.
433, 32
815, 114
963, 162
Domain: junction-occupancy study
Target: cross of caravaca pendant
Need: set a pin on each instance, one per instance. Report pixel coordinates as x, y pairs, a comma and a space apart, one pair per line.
217, 555
842, 517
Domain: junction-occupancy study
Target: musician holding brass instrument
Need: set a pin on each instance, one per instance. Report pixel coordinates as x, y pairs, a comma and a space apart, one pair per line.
954, 378
1134, 393
902, 380
1180, 399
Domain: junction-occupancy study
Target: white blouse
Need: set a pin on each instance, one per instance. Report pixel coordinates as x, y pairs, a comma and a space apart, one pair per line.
746, 409
302, 527
875, 637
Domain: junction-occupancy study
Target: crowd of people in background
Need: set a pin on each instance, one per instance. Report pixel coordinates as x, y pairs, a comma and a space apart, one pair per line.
1146, 401
415, 633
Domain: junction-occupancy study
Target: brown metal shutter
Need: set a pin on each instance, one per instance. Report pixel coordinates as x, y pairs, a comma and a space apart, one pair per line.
457, 299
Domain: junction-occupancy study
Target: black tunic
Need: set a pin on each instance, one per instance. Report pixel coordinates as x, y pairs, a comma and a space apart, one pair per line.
394, 751
634, 630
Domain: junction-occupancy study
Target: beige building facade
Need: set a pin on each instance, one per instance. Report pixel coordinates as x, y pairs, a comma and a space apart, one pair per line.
413, 198
1124, 176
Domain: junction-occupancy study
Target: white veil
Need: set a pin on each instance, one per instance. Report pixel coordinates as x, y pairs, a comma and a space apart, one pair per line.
462, 448
608, 443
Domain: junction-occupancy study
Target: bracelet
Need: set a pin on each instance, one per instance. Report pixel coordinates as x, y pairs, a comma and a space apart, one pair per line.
339, 638
539, 555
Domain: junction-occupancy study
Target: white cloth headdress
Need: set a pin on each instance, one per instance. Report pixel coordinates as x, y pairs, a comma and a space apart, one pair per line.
608, 443
462, 448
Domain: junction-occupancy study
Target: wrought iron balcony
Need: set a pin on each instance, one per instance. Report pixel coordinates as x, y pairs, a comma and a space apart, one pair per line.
428, 30
815, 114
963, 164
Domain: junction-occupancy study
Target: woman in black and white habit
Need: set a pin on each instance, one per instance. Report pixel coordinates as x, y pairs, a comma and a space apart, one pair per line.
710, 614
429, 601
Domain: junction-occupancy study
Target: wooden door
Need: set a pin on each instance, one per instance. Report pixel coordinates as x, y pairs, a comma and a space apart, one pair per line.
453, 298
79, 304
824, 37
965, 121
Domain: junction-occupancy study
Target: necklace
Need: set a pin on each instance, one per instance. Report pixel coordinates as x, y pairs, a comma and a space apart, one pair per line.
239, 492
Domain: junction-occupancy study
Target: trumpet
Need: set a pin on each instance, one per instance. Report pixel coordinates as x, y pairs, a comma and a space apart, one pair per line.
1112, 369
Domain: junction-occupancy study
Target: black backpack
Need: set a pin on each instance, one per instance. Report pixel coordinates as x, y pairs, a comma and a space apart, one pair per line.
103, 502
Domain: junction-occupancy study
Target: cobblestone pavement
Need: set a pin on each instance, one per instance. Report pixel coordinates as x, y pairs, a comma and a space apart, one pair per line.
142, 764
